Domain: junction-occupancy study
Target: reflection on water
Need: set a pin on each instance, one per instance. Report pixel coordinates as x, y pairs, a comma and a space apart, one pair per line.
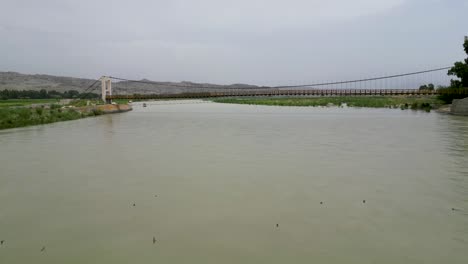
211, 181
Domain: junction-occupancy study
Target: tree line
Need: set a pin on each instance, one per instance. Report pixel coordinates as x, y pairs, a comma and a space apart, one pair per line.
44, 94
458, 89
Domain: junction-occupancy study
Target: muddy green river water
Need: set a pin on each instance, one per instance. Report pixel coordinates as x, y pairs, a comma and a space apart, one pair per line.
219, 183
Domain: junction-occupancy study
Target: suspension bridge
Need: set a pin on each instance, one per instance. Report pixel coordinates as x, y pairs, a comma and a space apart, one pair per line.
405, 84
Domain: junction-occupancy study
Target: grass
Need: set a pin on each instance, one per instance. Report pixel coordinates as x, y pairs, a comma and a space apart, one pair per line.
21, 112
21, 117
124, 101
403, 102
25, 102
84, 102
15, 116
52, 102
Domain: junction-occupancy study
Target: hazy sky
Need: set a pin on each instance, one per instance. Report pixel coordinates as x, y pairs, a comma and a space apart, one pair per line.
266, 42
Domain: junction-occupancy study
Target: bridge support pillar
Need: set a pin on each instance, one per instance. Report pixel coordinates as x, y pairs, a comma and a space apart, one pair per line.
106, 89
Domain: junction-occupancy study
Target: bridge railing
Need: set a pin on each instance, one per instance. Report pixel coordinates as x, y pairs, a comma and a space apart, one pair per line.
276, 92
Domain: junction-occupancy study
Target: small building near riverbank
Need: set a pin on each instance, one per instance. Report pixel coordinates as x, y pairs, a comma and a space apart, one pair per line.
460, 107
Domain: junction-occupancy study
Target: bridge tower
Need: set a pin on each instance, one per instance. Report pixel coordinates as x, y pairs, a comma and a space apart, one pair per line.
106, 89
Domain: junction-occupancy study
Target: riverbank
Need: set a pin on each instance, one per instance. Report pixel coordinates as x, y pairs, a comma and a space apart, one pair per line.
26, 102
11, 117
404, 102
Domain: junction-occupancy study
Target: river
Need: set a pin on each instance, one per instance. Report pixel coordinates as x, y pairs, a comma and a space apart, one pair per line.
220, 183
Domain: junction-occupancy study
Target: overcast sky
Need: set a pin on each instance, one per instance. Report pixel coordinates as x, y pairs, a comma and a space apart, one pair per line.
266, 42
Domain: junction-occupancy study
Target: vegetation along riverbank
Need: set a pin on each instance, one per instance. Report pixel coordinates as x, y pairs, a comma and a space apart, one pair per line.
36, 112
423, 102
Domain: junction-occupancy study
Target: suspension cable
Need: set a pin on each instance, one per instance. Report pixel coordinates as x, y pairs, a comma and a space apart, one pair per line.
202, 86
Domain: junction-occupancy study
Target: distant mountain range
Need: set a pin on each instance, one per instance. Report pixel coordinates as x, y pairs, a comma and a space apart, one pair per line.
18, 81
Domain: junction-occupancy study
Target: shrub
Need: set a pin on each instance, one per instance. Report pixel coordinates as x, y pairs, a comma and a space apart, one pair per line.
96, 112
448, 94
24, 113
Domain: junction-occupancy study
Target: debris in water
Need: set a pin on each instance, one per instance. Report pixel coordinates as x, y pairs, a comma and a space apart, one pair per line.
134, 204
277, 225
363, 201
42, 249
1, 242
154, 240
321, 202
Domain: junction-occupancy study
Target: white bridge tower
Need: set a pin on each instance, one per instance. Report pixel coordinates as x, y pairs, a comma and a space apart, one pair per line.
106, 88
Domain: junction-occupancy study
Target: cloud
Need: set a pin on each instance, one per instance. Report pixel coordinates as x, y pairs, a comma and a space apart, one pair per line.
147, 17
251, 41
274, 14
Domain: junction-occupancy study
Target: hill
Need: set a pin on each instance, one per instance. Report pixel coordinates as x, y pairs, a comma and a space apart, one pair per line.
18, 81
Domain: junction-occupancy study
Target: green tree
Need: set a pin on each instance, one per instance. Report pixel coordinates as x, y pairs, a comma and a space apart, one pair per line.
43, 93
71, 94
460, 69
429, 87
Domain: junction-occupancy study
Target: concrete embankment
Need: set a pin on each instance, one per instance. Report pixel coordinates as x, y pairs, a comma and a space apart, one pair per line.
459, 107
107, 109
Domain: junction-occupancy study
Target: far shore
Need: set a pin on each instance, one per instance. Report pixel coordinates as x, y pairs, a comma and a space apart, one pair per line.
426, 103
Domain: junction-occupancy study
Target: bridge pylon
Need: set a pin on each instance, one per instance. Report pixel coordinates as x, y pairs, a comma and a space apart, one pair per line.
106, 89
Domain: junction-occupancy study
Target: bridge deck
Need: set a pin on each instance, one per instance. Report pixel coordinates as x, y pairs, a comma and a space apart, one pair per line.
332, 92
